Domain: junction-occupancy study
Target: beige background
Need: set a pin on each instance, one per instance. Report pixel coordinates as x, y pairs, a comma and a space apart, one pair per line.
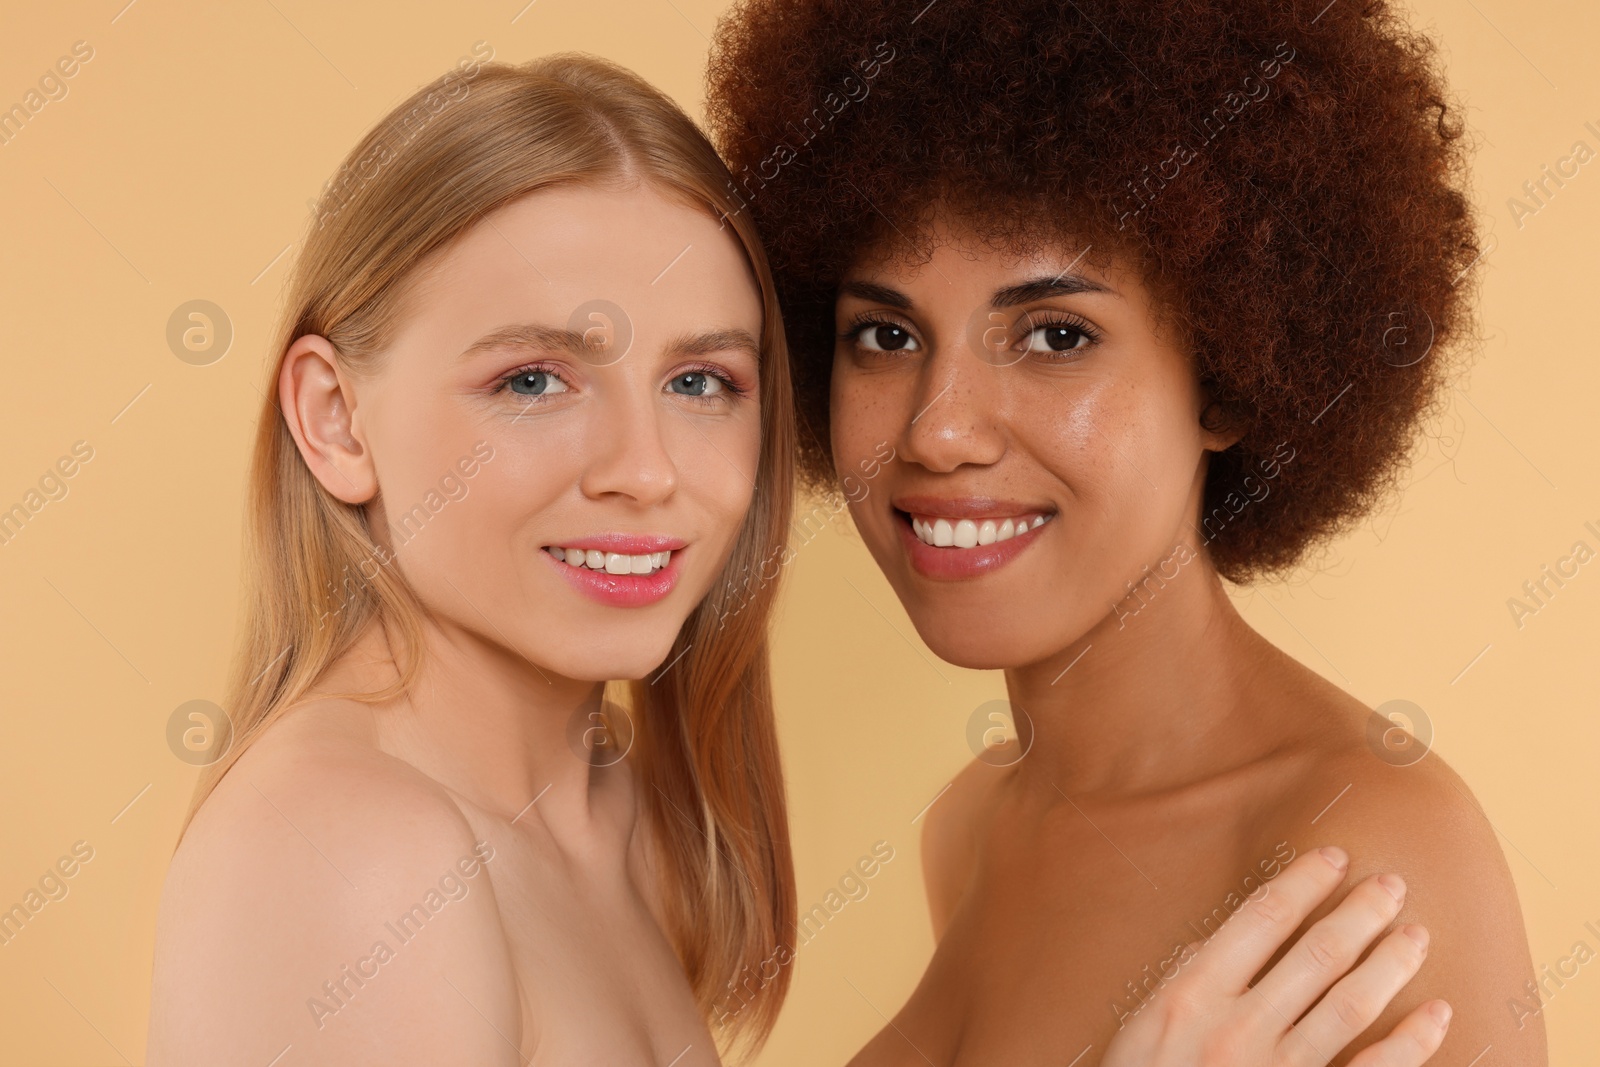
179, 166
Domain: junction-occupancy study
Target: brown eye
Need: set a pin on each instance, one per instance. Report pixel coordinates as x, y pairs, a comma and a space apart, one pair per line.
886, 337
1056, 337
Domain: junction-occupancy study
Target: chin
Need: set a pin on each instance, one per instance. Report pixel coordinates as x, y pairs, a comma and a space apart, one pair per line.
996, 648
617, 657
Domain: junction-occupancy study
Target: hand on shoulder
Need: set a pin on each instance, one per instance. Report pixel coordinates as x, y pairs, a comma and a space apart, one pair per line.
1421, 822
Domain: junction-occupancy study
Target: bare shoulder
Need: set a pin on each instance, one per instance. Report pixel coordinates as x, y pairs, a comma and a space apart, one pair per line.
949, 838
1396, 807
316, 879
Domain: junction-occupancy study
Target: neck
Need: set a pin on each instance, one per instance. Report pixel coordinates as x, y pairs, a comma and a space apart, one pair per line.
1155, 696
485, 722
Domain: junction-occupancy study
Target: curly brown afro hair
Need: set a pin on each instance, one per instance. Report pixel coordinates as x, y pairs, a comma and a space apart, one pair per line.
1288, 179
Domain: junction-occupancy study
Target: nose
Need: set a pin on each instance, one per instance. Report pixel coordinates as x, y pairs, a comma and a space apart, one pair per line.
628, 455
957, 413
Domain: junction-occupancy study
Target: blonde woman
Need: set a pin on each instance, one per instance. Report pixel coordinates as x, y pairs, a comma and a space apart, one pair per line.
531, 419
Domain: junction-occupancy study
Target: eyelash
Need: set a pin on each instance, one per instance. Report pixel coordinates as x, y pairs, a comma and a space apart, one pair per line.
733, 388
862, 320
546, 368
1065, 318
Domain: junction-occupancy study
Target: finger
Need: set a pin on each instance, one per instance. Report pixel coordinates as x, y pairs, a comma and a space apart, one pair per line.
1331, 947
1412, 1041
1357, 1000
1249, 937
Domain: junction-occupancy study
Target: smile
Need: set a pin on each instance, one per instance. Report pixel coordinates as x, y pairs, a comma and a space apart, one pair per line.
972, 533
956, 539
620, 570
612, 562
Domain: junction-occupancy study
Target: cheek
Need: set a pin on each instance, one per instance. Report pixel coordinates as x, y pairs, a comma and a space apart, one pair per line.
431, 547
864, 412
1083, 435
1127, 458
1132, 439
718, 462
417, 441
491, 531
523, 481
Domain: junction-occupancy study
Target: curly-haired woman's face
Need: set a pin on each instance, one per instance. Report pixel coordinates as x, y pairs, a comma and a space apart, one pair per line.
1046, 435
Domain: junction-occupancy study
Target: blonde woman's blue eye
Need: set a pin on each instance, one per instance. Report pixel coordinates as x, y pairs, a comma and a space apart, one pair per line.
537, 383
886, 337
1055, 338
695, 383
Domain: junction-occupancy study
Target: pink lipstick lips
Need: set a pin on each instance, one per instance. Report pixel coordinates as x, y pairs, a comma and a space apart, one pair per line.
619, 570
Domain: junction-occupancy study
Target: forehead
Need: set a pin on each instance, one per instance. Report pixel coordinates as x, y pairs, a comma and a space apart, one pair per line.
545, 256
956, 275
950, 249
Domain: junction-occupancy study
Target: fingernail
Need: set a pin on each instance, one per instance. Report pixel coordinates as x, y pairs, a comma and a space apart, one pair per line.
1335, 856
1440, 1012
1394, 884
1419, 934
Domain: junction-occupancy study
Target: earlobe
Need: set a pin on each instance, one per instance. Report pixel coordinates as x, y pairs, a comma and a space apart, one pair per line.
316, 401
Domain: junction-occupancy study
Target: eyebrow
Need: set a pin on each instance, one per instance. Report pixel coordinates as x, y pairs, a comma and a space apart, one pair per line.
1062, 284
877, 294
525, 335
711, 341
545, 338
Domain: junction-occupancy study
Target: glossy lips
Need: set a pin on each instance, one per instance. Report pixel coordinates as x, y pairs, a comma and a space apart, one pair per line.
619, 570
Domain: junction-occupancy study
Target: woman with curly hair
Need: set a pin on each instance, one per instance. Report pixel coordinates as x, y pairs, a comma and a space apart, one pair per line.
1140, 296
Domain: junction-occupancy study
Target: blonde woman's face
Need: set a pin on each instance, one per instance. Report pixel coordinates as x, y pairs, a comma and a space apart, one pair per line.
565, 430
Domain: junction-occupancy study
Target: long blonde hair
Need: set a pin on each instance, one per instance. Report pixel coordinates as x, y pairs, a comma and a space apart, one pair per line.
706, 747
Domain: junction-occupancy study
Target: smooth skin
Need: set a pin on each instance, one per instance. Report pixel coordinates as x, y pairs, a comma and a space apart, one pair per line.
540, 931
341, 817
1250, 1025
1175, 751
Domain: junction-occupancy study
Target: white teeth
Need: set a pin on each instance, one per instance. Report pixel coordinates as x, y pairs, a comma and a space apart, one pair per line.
968, 533
612, 562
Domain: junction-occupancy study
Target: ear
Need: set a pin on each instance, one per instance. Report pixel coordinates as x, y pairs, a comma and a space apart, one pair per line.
317, 402
1219, 427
